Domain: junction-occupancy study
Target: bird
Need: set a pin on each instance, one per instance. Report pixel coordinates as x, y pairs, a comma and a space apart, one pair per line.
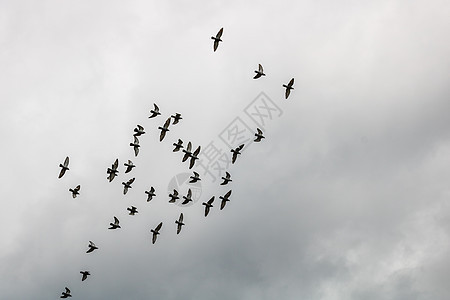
208, 205
129, 166
178, 145
259, 72
85, 275
92, 247
174, 197
217, 39
66, 294
187, 152
195, 178
236, 152
64, 167
132, 210
289, 87
115, 225
179, 223
155, 112
259, 135
188, 197
75, 191
150, 193
136, 146
224, 199
226, 179
113, 170
139, 131
194, 157
156, 232
127, 185
176, 118
164, 129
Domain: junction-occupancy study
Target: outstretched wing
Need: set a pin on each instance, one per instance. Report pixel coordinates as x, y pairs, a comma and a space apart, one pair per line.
261, 68
219, 34
291, 83
116, 221
66, 161
181, 218
158, 227
227, 194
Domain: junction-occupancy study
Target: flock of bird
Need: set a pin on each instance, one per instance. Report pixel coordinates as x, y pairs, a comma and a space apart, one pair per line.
188, 153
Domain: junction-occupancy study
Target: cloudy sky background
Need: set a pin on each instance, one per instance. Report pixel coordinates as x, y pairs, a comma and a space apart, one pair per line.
346, 198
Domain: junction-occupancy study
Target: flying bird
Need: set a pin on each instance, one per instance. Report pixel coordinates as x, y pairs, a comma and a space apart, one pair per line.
66, 294
115, 225
195, 178
92, 247
129, 166
208, 205
150, 193
113, 170
226, 179
176, 118
179, 223
164, 129
217, 39
155, 112
64, 167
156, 232
85, 275
178, 145
75, 191
194, 157
132, 210
188, 197
139, 130
259, 135
187, 152
224, 199
289, 87
136, 146
259, 72
127, 185
236, 152
174, 197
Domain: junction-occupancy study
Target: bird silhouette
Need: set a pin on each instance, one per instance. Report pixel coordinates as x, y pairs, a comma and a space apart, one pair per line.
187, 152
194, 157
155, 112
164, 129
66, 293
224, 199
226, 179
139, 130
115, 225
289, 87
135, 146
132, 210
156, 232
127, 185
259, 72
178, 145
75, 191
217, 39
174, 197
150, 193
208, 205
195, 178
64, 167
113, 170
188, 197
129, 166
92, 247
85, 275
176, 118
236, 152
259, 135
179, 223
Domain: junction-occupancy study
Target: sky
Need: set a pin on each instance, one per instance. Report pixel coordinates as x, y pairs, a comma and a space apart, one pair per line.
347, 197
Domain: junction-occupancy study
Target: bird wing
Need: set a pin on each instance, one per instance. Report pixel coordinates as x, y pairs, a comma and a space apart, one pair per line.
196, 174
181, 218
257, 75
234, 157
216, 44
115, 164
259, 131
167, 123
158, 227
131, 180
66, 161
84, 277
78, 188
154, 237
116, 221
152, 190
189, 194
67, 290
140, 127
189, 147
206, 210
291, 83
196, 152
175, 192
241, 147
222, 204
156, 107
219, 34
288, 91
260, 68
210, 201
162, 135
227, 194
136, 140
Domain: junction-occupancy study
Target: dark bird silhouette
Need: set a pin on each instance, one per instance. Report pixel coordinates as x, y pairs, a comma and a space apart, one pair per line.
138, 131
195, 178
174, 197
187, 152
156, 232
115, 225
224, 199
259, 135
226, 179
127, 185
289, 87
75, 191
217, 39
188, 197
194, 157
85, 275
135, 146
154, 112
178, 145
164, 129
236, 152
66, 294
150, 193
176, 118
113, 170
208, 205
179, 223
64, 167
92, 247
129, 166
132, 210
259, 72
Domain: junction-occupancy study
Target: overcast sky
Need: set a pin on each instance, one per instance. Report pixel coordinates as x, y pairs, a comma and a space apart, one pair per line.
347, 197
